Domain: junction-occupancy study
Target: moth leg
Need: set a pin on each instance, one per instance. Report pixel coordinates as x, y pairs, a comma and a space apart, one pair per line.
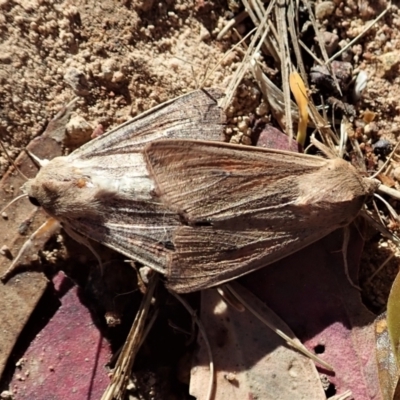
346, 239
145, 273
33, 244
83, 240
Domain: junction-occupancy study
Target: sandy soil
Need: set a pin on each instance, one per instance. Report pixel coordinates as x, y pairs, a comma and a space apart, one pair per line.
123, 57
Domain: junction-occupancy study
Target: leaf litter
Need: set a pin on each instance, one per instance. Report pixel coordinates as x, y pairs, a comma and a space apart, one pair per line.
105, 77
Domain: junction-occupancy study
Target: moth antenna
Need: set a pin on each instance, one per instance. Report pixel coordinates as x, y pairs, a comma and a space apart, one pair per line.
13, 201
38, 161
345, 246
12, 162
83, 240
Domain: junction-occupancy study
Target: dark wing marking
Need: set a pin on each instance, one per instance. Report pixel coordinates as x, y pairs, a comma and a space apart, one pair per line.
193, 116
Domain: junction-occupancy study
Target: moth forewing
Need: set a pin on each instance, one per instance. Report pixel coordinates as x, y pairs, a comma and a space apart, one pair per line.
103, 190
195, 115
245, 208
221, 182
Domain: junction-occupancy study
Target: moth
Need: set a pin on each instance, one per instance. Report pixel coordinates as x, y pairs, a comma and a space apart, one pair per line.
165, 192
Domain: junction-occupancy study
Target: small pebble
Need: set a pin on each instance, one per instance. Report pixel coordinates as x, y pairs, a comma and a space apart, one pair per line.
382, 147
78, 131
21, 362
6, 252
396, 174
131, 386
230, 377
369, 116
112, 319
331, 41
4, 249
272, 138
98, 131
5, 58
359, 85
204, 33
145, 274
6, 395
118, 76
322, 78
108, 68
242, 126
262, 109
388, 63
324, 10
78, 81
371, 129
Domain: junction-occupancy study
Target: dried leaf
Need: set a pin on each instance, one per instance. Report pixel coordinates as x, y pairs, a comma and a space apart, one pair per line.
299, 91
67, 359
250, 360
19, 297
312, 294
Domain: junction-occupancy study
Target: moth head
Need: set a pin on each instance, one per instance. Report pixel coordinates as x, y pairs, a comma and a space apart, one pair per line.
61, 189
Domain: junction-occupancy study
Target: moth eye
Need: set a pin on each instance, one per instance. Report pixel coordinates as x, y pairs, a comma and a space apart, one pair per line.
34, 201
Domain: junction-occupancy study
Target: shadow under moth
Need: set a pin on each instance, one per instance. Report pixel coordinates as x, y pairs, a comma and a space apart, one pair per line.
163, 190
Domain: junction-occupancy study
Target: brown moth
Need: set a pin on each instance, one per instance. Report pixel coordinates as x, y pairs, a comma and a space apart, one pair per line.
199, 212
